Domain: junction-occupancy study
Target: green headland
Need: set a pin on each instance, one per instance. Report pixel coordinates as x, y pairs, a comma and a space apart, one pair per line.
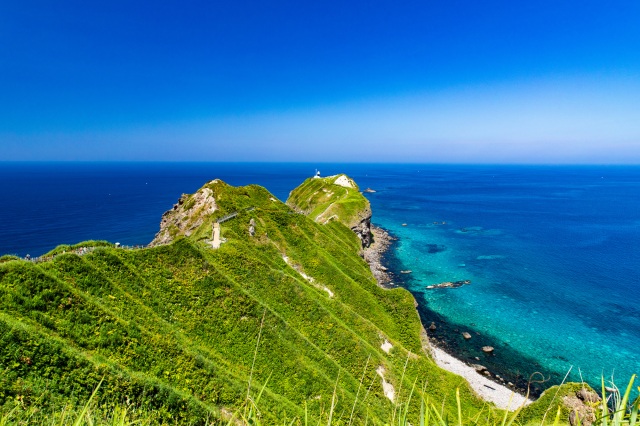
279, 312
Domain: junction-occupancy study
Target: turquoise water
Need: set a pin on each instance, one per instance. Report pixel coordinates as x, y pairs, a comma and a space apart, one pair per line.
553, 253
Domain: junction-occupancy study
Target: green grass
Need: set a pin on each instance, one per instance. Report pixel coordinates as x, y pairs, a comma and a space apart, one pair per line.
615, 410
63, 248
322, 201
8, 258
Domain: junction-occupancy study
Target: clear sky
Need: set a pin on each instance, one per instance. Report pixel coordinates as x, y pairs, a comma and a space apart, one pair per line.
375, 81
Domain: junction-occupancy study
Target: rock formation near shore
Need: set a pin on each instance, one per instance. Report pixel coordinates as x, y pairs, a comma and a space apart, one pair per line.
187, 215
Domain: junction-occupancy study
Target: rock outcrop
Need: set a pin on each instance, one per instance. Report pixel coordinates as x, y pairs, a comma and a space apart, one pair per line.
187, 215
582, 407
363, 229
487, 349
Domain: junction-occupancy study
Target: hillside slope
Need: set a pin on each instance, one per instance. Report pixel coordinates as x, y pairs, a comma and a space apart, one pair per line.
174, 328
334, 198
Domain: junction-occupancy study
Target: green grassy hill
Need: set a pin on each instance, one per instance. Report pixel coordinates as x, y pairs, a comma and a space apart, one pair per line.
323, 200
182, 331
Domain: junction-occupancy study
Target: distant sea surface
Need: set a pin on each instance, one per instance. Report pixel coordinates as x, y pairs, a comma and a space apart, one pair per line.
552, 252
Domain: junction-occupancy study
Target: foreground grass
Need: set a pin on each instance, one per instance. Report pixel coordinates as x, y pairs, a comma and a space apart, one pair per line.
613, 410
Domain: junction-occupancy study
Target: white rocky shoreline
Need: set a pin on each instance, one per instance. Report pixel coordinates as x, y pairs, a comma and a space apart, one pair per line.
502, 396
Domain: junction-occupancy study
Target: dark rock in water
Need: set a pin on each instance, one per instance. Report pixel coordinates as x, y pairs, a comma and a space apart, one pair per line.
432, 327
369, 190
487, 349
435, 248
479, 368
449, 284
466, 335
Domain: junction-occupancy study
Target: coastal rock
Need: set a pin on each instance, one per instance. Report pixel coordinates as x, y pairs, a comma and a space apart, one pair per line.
433, 327
580, 412
449, 284
373, 256
479, 368
363, 230
466, 335
344, 181
582, 407
588, 396
369, 190
487, 349
187, 215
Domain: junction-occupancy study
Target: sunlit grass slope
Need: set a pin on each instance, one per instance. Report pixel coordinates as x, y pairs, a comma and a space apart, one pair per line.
173, 330
322, 199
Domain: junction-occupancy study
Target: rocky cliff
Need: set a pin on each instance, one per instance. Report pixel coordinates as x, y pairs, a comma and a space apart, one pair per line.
186, 216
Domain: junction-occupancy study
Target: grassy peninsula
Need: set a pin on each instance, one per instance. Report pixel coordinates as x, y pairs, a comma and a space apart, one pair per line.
179, 332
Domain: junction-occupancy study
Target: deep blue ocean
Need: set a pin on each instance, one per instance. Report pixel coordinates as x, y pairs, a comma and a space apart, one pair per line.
552, 252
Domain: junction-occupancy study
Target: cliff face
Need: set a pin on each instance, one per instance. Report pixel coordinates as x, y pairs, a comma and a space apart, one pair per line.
363, 231
334, 198
186, 216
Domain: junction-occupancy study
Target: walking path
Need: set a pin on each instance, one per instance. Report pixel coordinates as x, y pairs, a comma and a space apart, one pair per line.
215, 243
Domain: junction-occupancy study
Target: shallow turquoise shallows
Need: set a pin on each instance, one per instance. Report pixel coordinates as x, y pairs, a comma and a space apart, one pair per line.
552, 253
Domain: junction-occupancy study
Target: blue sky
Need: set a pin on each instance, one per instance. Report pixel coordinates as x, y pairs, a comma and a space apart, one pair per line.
424, 81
